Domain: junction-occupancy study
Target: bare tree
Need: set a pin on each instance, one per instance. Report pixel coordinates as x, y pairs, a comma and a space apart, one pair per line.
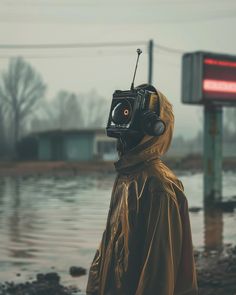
2, 131
68, 110
21, 87
63, 112
94, 109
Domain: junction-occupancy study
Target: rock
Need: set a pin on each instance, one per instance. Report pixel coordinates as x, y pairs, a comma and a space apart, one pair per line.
226, 206
40, 277
77, 271
52, 277
195, 209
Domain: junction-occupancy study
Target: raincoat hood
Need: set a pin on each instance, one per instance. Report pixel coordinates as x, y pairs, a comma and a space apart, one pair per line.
151, 147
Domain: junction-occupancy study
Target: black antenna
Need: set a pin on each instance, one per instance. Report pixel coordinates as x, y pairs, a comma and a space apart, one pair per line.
139, 51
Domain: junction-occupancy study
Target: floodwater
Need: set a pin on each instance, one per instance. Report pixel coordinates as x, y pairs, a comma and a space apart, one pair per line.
52, 223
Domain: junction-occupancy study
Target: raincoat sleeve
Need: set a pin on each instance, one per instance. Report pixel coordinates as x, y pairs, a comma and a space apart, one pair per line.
163, 248
94, 272
92, 287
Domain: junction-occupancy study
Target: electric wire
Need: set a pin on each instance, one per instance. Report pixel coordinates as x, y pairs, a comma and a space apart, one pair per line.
62, 56
59, 46
169, 49
71, 45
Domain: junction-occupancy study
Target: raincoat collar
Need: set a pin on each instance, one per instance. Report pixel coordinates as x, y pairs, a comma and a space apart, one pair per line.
138, 156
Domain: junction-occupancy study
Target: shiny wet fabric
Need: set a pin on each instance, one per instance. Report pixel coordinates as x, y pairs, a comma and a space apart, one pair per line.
146, 248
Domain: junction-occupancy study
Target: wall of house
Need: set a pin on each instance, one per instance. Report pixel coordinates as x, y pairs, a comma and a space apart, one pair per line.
44, 149
79, 147
105, 147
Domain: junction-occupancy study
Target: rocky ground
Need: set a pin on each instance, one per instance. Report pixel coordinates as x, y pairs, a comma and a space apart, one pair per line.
216, 276
217, 271
44, 284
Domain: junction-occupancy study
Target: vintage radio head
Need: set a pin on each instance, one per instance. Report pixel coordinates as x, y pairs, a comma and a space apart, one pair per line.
135, 111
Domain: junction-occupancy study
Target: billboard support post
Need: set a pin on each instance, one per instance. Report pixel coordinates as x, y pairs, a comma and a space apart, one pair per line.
212, 159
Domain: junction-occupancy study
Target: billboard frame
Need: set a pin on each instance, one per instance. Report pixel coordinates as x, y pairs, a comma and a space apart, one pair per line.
193, 75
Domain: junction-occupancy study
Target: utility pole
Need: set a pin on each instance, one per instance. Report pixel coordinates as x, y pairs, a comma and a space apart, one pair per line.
150, 61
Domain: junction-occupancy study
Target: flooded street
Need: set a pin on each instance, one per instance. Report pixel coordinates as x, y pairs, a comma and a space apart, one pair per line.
51, 224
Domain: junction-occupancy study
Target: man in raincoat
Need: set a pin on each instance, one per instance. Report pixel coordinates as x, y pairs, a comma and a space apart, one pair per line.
146, 248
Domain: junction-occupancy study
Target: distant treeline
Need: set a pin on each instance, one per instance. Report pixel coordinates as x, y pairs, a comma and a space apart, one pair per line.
182, 147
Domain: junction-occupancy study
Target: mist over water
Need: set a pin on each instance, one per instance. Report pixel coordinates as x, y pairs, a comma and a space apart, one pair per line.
52, 223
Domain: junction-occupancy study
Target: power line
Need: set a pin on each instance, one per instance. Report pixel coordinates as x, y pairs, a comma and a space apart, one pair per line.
169, 49
71, 45
88, 45
65, 56
66, 2
158, 47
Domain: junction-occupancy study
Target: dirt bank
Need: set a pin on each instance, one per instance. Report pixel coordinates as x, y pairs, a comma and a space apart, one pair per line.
53, 168
192, 163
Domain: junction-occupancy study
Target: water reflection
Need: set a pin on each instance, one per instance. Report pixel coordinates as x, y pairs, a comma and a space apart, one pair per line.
21, 221
14, 219
213, 228
2, 194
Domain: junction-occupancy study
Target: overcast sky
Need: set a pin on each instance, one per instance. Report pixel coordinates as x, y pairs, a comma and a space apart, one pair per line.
181, 25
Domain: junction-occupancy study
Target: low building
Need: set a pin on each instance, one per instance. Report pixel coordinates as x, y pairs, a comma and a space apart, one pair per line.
75, 145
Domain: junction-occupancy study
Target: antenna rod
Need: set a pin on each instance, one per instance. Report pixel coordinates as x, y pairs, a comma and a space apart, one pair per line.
139, 51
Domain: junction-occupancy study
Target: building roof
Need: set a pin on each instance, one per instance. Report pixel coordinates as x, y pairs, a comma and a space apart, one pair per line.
70, 131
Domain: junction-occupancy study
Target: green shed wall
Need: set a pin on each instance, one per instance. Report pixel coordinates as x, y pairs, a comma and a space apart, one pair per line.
79, 147
44, 149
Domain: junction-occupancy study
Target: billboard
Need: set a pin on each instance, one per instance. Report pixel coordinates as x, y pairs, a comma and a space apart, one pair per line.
208, 78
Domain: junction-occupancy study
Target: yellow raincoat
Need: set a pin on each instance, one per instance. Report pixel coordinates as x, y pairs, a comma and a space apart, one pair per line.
146, 248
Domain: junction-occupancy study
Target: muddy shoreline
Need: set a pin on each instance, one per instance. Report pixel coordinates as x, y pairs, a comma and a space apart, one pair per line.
54, 168
216, 272
19, 168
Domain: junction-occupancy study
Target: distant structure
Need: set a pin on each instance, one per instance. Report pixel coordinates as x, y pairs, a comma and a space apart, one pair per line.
69, 145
